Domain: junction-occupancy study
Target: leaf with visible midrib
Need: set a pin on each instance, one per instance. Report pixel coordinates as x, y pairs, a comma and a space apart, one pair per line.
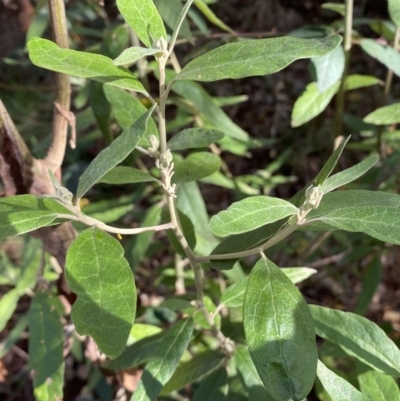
98, 273
47, 54
113, 154
279, 333
254, 57
194, 138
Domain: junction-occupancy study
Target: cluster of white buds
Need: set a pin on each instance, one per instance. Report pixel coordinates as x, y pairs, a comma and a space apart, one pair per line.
154, 146
166, 166
312, 201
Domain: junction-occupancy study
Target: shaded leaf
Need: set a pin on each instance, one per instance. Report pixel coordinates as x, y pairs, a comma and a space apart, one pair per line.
113, 154
214, 387
194, 138
126, 175
279, 333
132, 54
103, 282
209, 14
358, 337
47, 54
249, 214
384, 115
196, 166
338, 8
142, 16
164, 360
254, 57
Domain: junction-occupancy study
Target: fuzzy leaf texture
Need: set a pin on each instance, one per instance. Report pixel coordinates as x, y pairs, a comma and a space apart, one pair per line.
254, 57
47, 54
98, 273
279, 333
142, 16
108, 158
194, 138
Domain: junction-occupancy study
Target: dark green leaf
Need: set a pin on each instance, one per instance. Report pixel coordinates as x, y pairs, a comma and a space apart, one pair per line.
214, 387
46, 344
126, 175
279, 333
384, 115
358, 337
164, 360
254, 57
101, 109
195, 369
194, 138
142, 16
113, 154
47, 54
23, 213
103, 282
249, 214
196, 166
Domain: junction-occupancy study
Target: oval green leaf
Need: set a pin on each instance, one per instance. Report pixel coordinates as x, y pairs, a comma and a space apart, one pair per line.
254, 57
194, 138
113, 154
126, 175
162, 364
249, 214
98, 273
47, 54
142, 16
132, 54
358, 337
279, 333
384, 115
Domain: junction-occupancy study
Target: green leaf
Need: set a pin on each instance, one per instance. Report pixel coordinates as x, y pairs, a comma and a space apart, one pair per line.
249, 214
101, 109
196, 166
311, 103
329, 68
103, 282
164, 360
188, 372
113, 154
127, 109
214, 387
384, 115
376, 385
46, 344
176, 304
8, 304
126, 175
254, 57
349, 175
132, 54
394, 11
249, 375
194, 138
386, 55
279, 333
24, 213
14, 335
338, 8
338, 389
209, 14
142, 16
298, 274
356, 81
358, 337
47, 54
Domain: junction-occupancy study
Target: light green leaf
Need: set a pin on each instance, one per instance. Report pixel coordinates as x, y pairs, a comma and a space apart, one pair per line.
214, 387
338, 8
356, 81
358, 337
311, 103
13, 336
8, 304
143, 330
164, 360
394, 11
376, 385
132, 54
254, 57
142, 16
188, 372
249, 214
249, 375
23, 213
298, 274
329, 68
47, 54
196, 166
46, 344
386, 55
126, 175
103, 282
209, 14
279, 333
113, 154
349, 175
338, 389
384, 115
127, 109
194, 138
